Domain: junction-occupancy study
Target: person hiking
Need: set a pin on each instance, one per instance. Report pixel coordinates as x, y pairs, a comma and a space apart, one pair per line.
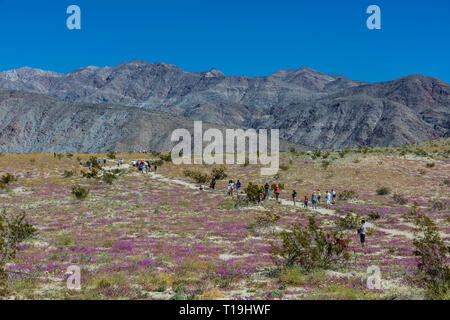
362, 233
294, 195
277, 192
267, 190
238, 185
90, 165
306, 201
319, 196
328, 194
230, 187
155, 168
213, 183
104, 161
260, 198
334, 195
314, 200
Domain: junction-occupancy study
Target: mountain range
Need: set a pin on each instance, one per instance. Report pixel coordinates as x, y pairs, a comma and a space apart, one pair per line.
136, 100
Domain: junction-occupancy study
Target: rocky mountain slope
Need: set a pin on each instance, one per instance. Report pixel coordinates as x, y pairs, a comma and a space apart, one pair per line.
410, 109
34, 123
309, 107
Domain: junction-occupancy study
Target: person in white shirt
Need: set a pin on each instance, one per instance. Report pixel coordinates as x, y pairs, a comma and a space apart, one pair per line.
328, 199
334, 195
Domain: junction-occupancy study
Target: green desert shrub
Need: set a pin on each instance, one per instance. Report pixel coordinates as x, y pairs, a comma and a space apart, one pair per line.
348, 194
374, 216
432, 255
273, 186
166, 157
310, 247
438, 205
111, 155
382, 191
109, 177
7, 178
348, 222
264, 220
79, 192
430, 165
68, 173
447, 182
253, 190
13, 230
326, 155
93, 173
325, 164
197, 176
219, 173
420, 152
284, 167
398, 198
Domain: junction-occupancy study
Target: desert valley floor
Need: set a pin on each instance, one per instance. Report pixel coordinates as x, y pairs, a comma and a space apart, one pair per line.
149, 236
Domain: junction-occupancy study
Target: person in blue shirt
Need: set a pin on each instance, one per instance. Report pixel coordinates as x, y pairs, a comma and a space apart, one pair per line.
314, 200
238, 184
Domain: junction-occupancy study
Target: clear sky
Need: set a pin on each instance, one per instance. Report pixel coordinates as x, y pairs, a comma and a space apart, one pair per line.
238, 37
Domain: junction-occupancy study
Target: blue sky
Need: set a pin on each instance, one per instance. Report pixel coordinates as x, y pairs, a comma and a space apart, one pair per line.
242, 37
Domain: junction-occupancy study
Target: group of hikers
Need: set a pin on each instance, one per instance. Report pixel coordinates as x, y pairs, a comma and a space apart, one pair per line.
99, 161
316, 198
144, 166
231, 186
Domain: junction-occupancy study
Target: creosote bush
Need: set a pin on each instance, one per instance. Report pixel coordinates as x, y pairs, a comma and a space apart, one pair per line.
166, 157
383, 191
310, 247
13, 230
398, 198
79, 192
111, 155
432, 255
197, 176
348, 194
253, 190
219, 173
109, 177
68, 173
349, 222
91, 174
6, 179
